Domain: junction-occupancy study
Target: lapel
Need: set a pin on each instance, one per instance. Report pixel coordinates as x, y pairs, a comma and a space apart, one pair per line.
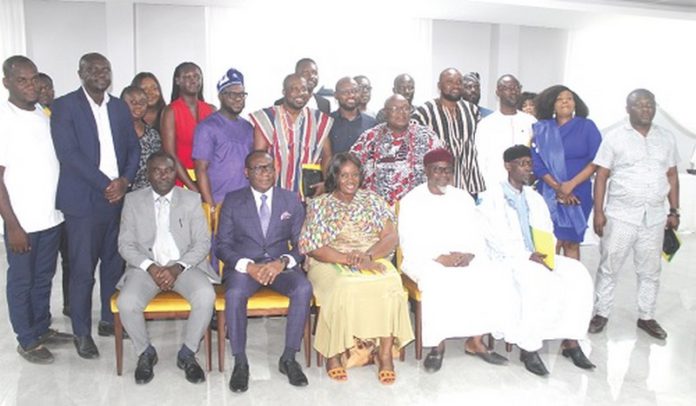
148, 212
176, 218
88, 117
250, 206
111, 110
275, 213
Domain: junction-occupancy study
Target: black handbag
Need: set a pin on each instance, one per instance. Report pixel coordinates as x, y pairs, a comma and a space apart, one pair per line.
670, 245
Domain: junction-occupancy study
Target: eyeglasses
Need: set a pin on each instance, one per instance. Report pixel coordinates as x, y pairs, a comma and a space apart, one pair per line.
399, 109
235, 95
260, 169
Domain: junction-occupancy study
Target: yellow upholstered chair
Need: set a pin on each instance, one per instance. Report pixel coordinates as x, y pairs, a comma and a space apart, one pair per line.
165, 305
266, 302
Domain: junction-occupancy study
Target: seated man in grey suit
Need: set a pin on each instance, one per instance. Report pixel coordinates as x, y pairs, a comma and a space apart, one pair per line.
164, 240
257, 240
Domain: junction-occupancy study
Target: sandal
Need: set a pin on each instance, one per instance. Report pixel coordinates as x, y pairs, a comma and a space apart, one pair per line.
386, 377
337, 374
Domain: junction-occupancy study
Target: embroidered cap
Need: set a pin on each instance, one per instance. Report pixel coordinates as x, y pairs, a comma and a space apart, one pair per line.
231, 77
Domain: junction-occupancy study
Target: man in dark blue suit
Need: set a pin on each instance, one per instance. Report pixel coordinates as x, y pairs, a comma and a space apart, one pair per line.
257, 240
98, 151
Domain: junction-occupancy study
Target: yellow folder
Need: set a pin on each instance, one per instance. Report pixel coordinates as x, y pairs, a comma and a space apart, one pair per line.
545, 243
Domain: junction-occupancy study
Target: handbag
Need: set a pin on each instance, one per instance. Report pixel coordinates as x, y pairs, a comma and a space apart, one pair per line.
670, 244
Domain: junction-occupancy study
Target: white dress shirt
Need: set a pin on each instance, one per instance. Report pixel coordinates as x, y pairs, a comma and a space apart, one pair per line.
164, 249
107, 154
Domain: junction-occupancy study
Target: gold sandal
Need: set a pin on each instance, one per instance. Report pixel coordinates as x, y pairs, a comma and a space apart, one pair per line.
337, 374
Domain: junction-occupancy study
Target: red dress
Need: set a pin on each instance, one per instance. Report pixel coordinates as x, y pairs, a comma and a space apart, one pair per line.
184, 126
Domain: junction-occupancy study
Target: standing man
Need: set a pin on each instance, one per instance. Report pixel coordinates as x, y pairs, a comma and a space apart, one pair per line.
307, 68
454, 121
392, 153
294, 134
405, 86
222, 141
46, 95
28, 182
98, 151
365, 94
349, 120
471, 83
640, 158
501, 130
257, 240
161, 256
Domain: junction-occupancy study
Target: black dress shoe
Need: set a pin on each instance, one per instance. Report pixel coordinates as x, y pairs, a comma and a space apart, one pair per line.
145, 369
597, 324
578, 357
533, 363
194, 372
490, 357
293, 370
86, 348
36, 354
52, 336
433, 361
653, 328
106, 329
239, 382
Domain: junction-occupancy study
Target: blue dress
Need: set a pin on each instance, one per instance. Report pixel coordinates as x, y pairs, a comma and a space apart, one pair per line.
580, 141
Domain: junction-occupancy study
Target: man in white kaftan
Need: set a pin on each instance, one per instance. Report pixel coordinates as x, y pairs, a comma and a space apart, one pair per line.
553, 303
463, 293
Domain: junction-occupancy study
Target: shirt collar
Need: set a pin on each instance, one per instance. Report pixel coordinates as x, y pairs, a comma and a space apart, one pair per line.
92, 103
168, 196
257, 194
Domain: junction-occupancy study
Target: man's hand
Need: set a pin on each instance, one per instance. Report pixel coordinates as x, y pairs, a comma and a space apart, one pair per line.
169, 275
269, 271
599, 221
116, 190
672, 222
455, 259
538, 257
155, 272
18, 240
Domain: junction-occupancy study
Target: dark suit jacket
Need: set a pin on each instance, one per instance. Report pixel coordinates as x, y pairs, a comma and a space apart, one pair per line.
239, 232
322, 102
74, 130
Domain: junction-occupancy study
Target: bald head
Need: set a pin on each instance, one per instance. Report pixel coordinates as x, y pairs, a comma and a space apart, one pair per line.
641, 108
295, 92
639, 93
508, 91
347, 94
397, 111
405, 86
450, 85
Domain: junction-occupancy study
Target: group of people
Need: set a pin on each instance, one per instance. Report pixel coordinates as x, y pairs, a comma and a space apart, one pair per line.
120, 181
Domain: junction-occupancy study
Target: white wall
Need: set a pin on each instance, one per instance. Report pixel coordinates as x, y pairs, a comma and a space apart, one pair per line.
59, 33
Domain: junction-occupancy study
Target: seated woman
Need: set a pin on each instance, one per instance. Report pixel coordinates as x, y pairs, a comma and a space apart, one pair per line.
349, 236
155, 101
149, 138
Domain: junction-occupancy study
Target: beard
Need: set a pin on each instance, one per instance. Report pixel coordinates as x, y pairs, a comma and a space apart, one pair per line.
443, 189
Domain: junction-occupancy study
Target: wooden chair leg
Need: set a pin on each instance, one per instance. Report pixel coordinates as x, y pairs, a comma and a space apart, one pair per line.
221, 340
402, 354
508, 347
491, 341
208, 350
419, 330
118, 340
308, 341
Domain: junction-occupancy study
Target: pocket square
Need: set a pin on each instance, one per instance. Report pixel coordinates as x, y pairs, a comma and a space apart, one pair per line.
286, 215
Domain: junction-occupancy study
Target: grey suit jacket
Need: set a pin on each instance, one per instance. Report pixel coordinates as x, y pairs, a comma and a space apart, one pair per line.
187, 223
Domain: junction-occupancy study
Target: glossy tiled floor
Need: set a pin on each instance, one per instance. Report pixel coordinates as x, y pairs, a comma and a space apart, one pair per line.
633, 369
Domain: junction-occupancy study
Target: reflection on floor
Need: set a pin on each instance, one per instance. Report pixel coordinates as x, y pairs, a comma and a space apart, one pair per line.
632, 368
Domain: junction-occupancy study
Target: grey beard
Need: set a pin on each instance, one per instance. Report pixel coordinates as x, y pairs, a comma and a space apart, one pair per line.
443, 189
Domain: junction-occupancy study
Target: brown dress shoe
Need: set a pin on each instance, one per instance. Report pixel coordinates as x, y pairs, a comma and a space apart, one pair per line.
653, 328
597, 324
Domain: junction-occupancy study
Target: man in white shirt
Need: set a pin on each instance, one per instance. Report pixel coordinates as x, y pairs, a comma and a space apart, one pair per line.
164, 239
99, 153
640, 158
502, 129
28, 182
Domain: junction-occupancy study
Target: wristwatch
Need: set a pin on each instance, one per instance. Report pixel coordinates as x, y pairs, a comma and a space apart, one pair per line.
285, 261
673, 212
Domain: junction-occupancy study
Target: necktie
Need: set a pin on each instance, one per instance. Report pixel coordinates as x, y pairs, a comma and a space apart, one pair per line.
264, 214
161, 250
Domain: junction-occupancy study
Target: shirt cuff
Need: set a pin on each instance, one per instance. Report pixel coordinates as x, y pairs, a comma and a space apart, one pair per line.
146, 264
184, 265
291, 261
241, 265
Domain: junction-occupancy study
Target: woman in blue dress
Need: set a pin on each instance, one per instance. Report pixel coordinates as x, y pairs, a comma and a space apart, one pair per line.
564, 145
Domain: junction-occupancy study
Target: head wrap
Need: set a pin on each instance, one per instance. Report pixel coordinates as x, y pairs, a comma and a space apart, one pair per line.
438, 155
231, 77
516, 151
